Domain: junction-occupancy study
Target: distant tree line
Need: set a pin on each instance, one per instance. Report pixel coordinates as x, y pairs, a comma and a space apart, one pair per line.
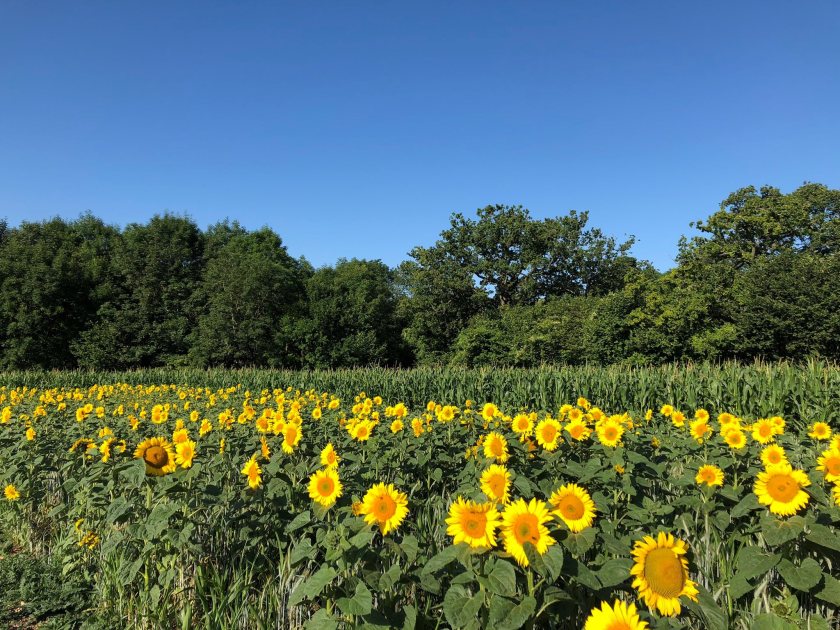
762, 279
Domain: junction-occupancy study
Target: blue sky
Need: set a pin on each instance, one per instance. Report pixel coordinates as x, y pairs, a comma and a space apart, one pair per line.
355, 129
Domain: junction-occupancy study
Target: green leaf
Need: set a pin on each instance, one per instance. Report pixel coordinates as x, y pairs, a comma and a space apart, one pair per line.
830, 591
301, 551
535, 559
409, 547
299, 521
440, 560
745, 506
500, 608
159, 519
753, 561
824, 536
313, 585
362, 539
804, 577
769, 621
739, 586
553, 559
460, 606
321, 620
502, 579
519, 615
360, 604
777, 531
118, 507
581, 542
410, 613
708, 610
614, 572
390, 577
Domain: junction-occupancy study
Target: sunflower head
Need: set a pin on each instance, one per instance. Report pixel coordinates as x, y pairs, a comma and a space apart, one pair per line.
473, 523
525, 523
495, 483
709, 475
779, 487
619, 616
660, 572
548, 434
829, 464
573, 505
325, 486
384, 506
158, 456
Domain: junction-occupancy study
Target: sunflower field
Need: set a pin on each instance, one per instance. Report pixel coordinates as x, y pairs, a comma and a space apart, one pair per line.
181, 506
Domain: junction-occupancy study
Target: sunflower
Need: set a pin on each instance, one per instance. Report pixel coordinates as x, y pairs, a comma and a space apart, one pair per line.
254, 473
666, 410
495, 446
661, 573
820, 431
573, 505
525, 523
548, 434
265, 449
735, 439
709, 474
773, 454
702, 414
184, 453
384, 506
829, 464
180, 435
489, 411
578, 430
205, 428
329, 457
495, 483
610, 432
473, 523
522, 424
763, 431
700, 429
325, 486
620, 616
780, 488
362, 430
11, 493
291, 437
158, 455
397, 426
678, 418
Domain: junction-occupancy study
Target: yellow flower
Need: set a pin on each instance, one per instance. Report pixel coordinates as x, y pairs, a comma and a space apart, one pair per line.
610, 432
184, 453
397, 426
702, 414
678, 418
578, 430
362, 430
522, 424
473, 523
773, 454
30, 434
157, 454
835, 492
666, 410
525, 523
384, 506
291, 437
661, 573
180, 435
548, 434
573, 505
495, 483
495, 446
325, 486
11, 493
735, 439
820, 431
489, 411
709, 474
649, 415
780, 488
254, 473
620, 616
829, 464
763, 431
583, 403
329, 457
265, 450
417, 427
700, 429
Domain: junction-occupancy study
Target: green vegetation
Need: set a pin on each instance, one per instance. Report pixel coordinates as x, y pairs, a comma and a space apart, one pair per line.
760, 280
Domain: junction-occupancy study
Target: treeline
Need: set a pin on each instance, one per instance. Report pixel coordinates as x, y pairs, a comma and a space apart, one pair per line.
762, 279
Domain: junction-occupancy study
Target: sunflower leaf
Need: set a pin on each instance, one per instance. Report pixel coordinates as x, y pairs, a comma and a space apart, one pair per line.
313, 585
830, 591
803, 577
824, 536
360, 604
777, 531
502, 579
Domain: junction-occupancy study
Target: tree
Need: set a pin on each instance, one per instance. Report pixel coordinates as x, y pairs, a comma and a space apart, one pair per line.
252, 295
353, 316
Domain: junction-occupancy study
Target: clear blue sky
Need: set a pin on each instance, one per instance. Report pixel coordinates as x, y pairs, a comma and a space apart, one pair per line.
356, 128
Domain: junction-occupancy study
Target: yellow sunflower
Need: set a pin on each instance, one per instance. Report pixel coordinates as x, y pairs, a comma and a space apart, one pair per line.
291, 437
710, 475
829, 465
522, 424
325, 486
763, 431
735, 439
362, 430
157, 454
384, 506
495, 446
573, 505
548, 434
700, 429
11, 493
578, 430
525, 523
252, 470
495, 483
610, 432
661, 573
329, 457
397, 426
773, 454
780, 488
473, 523
184, 453
820, 431
678, 418
666, 410
619, 616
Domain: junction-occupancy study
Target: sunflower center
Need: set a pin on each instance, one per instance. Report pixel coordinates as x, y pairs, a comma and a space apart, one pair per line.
496, 448
782, 488
833, 466
291, 434
708, 475
610, 433
326, 486
774, 457
497, 485
475, 524
384, 508
764, 430
548, 433
571, 507
526, 529
664, 572
576, 431
619, 625
156, 456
